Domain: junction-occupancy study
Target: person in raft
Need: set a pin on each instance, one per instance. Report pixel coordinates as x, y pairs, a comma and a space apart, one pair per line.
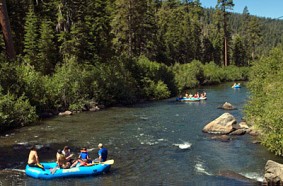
33, 160
61, 160
83, 158
68, 155
102, 154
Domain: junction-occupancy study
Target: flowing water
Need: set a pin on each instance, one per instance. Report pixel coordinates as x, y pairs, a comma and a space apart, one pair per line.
156, 143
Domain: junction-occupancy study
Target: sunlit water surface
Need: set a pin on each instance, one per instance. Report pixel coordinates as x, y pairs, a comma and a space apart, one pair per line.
156, 143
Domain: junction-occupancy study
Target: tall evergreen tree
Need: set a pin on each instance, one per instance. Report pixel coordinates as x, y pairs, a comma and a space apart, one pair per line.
74, 43
17, 10
223, 6
239, 51
31, 38
97, 20
254, 36
47, 48
215, 35
179, 31
130, 26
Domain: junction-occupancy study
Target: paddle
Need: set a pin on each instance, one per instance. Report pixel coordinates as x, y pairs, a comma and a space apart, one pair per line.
54, 169
108, 162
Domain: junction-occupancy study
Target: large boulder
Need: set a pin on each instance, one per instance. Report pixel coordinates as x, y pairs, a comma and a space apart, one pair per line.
273, 172
224, 124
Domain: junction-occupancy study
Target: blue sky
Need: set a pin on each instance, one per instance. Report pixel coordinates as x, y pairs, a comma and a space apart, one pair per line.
262, 8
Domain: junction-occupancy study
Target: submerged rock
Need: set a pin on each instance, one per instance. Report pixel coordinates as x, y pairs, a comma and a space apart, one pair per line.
236, 176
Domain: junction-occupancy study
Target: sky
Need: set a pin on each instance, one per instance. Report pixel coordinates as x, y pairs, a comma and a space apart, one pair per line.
262, 8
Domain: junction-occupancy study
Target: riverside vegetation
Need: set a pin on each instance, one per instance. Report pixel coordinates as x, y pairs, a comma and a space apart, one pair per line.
73, 52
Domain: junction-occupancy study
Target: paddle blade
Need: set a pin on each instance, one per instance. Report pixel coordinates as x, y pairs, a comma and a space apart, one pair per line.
109, 162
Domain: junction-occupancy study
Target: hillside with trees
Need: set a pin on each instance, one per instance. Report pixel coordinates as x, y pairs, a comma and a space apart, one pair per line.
61, 55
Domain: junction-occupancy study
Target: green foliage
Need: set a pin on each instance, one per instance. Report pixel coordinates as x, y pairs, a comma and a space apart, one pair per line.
31, 36
177, 31
97, 20
8, 76
31, 85
119, 52
47, 49
152, 74
265, 109
115, 83
68, 86
213, 74
187, 75
239, 52
233, 73
74, 43
15, 112
133, 27
154, 90
192, 74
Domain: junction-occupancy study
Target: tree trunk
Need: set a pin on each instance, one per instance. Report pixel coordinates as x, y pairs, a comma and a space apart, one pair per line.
7, 34
225, 52
225, 41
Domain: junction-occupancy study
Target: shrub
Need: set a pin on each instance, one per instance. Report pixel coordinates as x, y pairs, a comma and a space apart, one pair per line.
15, 112
188, 75
265, 107
68, 88
213, 74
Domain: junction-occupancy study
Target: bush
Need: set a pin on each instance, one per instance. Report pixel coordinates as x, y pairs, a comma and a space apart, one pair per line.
68, 88
15, 112
32, 85
213, 74
188, 75
233, 73
153, 77
154, 90
265, 107
114, 83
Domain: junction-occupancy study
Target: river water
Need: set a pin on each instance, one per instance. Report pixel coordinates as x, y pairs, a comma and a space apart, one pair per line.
156, 143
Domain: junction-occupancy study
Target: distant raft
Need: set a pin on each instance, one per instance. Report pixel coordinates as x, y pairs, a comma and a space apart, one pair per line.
236, 85
78, 171
185, 99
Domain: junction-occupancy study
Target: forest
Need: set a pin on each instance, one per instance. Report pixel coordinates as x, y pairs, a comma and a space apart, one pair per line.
66, 54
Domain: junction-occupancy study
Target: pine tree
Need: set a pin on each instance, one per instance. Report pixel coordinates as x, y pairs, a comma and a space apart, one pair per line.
99, 39
74, 43
239, 53
254, 36
223, 5
131, 27
31, 38
47, 48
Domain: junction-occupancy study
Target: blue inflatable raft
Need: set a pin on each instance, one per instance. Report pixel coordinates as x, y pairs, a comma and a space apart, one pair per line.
188, 99
78, 171
236, 86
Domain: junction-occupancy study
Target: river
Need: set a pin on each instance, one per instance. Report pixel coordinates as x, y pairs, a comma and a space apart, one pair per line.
154, 143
